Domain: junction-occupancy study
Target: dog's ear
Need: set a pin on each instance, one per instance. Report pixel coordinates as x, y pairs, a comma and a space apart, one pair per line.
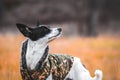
38, 23
25, 30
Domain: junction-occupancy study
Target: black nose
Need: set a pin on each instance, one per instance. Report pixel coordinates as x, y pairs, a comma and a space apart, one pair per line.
59, 29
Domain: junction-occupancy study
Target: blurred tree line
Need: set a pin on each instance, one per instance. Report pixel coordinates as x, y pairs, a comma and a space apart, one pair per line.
89, 14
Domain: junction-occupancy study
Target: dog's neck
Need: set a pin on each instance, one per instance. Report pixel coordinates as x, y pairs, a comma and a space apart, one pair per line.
35, 50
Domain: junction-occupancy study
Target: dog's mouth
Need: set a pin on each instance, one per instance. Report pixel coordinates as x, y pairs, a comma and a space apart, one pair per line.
56, 36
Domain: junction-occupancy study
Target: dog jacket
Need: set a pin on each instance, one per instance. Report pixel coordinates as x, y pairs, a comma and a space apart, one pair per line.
57, 65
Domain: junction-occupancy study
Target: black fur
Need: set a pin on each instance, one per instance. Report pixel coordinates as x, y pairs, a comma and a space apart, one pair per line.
39, 33
33, 33
69, 79
25, 30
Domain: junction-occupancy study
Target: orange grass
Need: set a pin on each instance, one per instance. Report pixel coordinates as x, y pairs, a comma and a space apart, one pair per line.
101, 52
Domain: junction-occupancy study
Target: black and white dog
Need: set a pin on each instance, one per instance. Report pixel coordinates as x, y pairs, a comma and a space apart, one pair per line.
36, 52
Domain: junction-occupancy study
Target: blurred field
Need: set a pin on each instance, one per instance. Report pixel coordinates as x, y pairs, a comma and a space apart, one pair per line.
101, 52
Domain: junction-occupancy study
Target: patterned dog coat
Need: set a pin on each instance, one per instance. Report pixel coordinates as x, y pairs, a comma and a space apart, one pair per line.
57, 65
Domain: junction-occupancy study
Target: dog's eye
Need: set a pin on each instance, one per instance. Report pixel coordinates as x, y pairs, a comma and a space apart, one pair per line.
48, 26
45, 29
45, 26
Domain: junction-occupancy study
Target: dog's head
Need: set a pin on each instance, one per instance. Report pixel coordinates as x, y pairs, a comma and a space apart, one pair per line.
41, 32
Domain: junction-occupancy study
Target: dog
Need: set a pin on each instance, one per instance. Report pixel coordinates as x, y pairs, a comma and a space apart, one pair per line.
37, 64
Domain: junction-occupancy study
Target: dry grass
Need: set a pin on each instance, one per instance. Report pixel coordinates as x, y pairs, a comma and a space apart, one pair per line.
101, 52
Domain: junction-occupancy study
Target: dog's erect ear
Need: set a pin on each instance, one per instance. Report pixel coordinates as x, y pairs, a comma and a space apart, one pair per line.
38, 23
25, 30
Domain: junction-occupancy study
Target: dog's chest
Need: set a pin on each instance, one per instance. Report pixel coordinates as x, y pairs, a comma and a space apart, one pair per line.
33, 54
57, 65
32, 59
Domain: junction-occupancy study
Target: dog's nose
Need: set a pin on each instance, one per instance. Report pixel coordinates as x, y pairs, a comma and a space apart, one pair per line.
59, 29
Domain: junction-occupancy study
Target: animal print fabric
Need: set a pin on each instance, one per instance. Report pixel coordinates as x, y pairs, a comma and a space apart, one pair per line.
57, 65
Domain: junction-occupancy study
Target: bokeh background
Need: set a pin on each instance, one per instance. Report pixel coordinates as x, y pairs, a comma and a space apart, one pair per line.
91, 31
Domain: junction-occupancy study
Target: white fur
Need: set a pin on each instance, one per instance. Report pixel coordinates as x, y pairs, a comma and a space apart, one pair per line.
34, 53
79, 72
35, 50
